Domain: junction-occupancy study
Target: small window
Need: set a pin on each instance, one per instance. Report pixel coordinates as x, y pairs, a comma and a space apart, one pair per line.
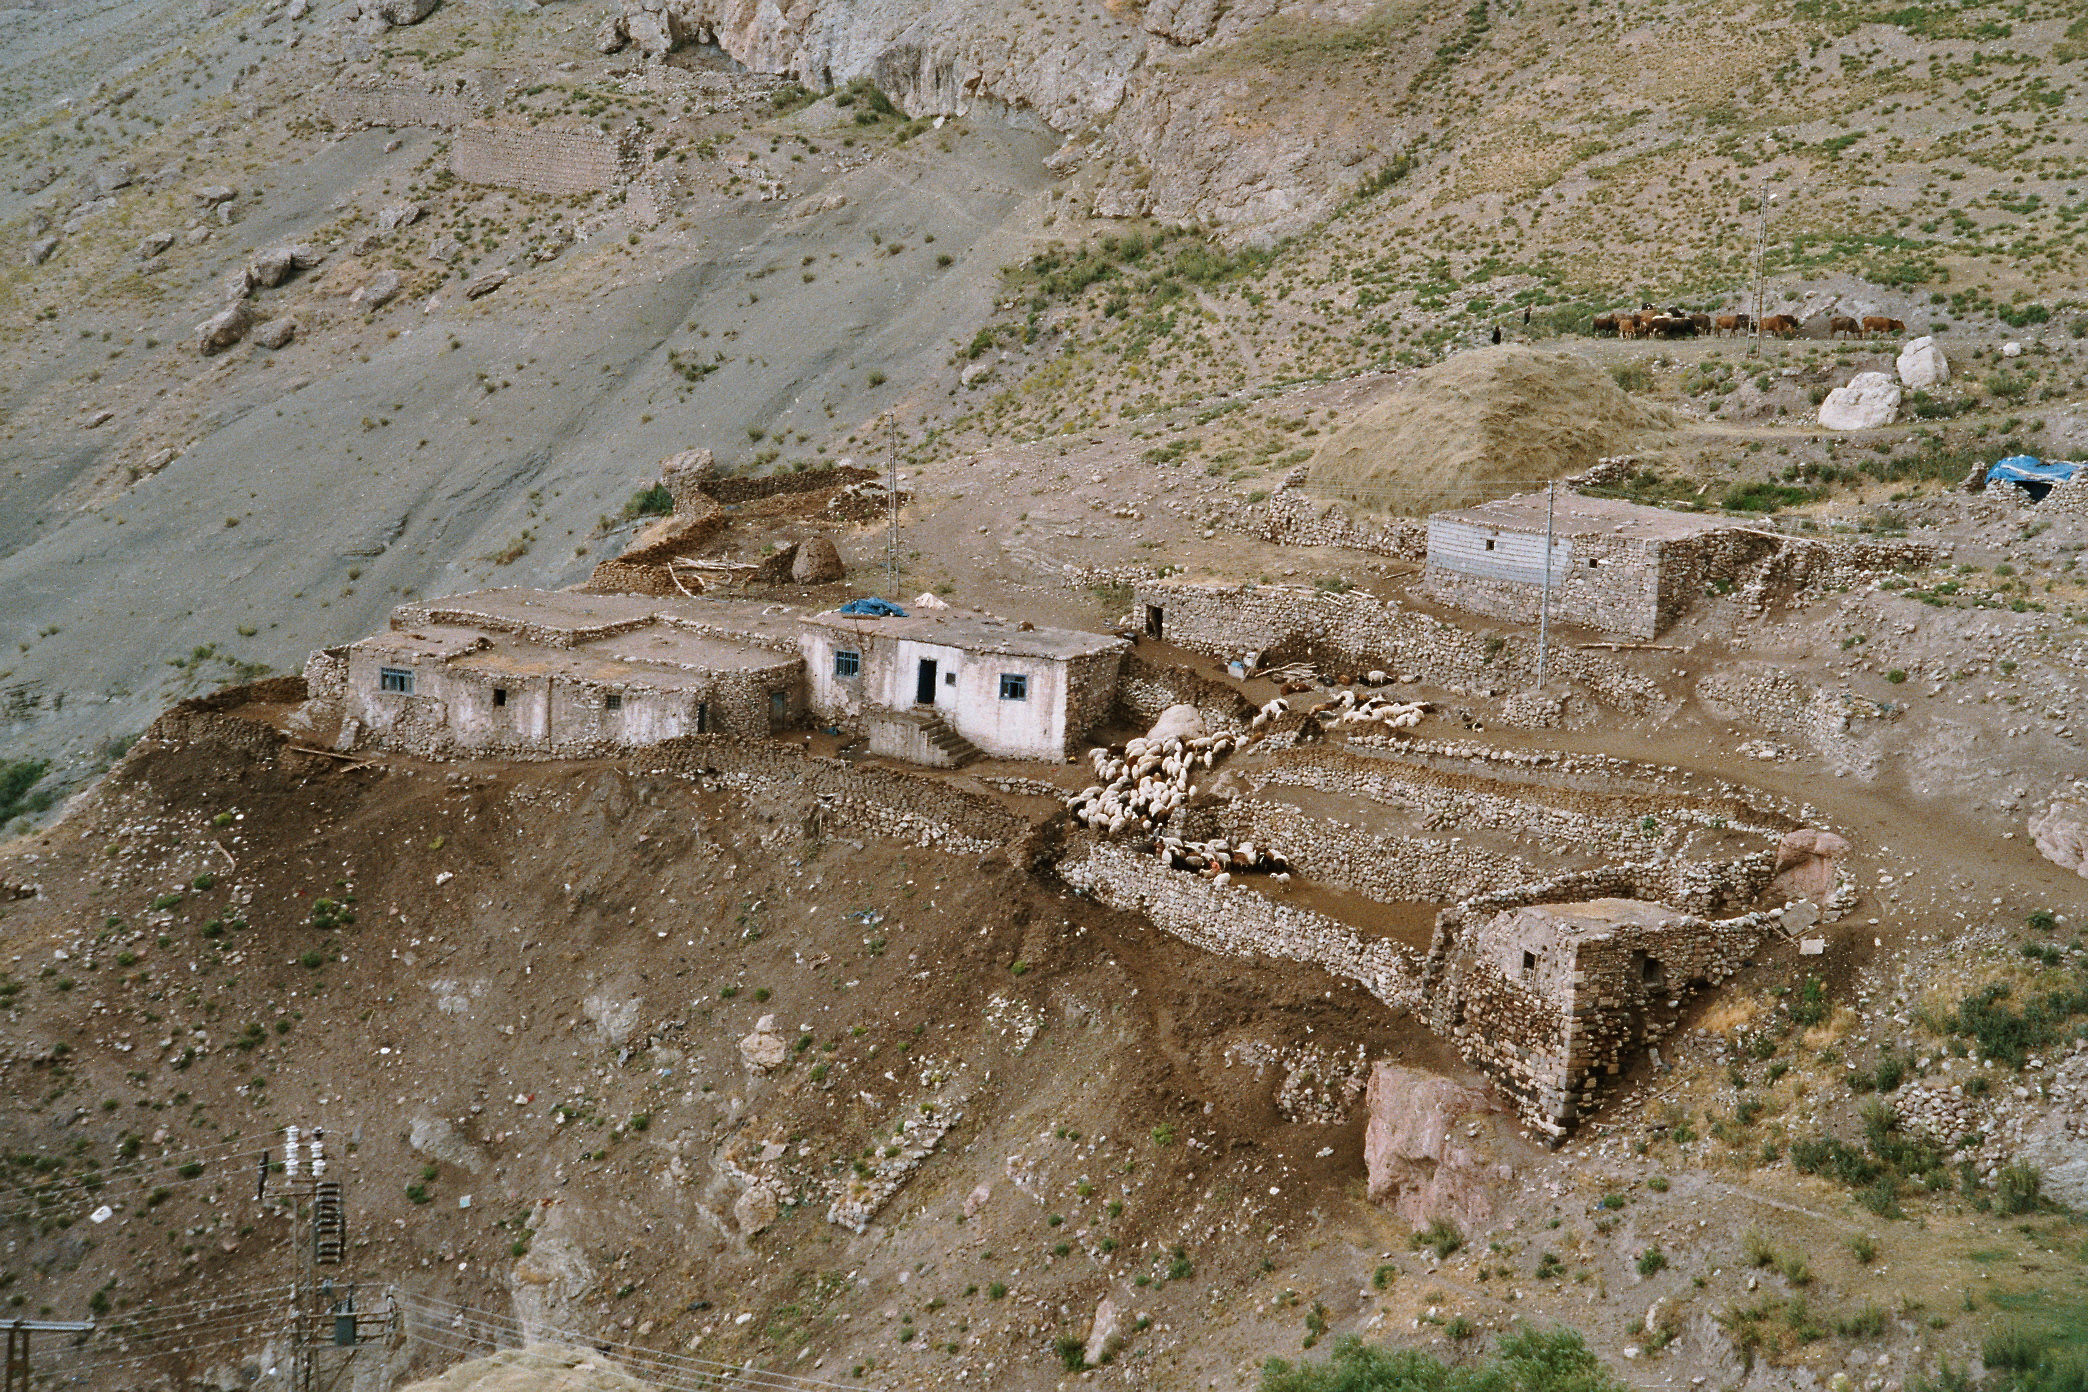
399, 679
1014, 686
613, 701
499, 695
1529, 961
1489, 543
1593, 563
703, 717
847, 664
949, 679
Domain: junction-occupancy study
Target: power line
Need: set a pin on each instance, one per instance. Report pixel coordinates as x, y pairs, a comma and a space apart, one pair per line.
432, 1307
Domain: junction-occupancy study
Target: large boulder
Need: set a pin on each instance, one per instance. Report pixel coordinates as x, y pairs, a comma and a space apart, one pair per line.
1436, 1149
1922, 364
764, 1048
683, 476
1807, 862
2061, 833
272, 267
817, 562
380, 290
755, 1208
224, 329
276, 333
404, 11
394, 216
1177, 722
1870, 400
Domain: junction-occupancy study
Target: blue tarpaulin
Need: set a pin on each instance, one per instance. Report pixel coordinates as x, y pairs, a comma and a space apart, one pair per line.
2033, 475
873, 608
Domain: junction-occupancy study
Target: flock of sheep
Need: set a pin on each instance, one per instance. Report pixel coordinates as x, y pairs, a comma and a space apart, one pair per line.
1142, 786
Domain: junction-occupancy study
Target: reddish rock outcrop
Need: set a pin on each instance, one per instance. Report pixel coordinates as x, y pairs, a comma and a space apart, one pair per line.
1435, 1148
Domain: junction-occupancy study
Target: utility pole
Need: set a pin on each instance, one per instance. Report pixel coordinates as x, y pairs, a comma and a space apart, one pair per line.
320, 1238
1551, 494
18, 1332
1754, 346
892, 508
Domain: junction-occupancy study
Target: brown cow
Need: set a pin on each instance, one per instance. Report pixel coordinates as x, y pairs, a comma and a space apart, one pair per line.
1628, 326
1729, 324
1702, 322
1673, 326
1780, 325
1878, 324
1841, 324
1604, 323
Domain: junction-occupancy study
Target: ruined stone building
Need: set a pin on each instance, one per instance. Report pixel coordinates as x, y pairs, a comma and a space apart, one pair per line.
1615, 566
561, 674
1552, 1000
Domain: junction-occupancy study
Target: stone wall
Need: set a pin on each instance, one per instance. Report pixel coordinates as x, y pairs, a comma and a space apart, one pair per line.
1790, 707
1611, 583
1556, 1031
836, 798
1295, 518
1146, 688
326, 675
436, 103
1358, 631
1236, 921
554, 159
1092, 681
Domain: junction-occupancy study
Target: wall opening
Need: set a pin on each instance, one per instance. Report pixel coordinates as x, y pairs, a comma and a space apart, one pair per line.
499, 695
703, 717
924, 685
779, 709
846, 663
1529, 962
613, 701
1155, 620
399, 679
1650, 971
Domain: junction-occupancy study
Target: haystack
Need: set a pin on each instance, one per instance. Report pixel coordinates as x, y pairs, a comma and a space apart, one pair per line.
538, 1368
1483, 425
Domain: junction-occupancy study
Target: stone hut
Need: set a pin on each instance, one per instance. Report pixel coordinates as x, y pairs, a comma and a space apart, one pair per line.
541, 674
1552, 1000
1615, 566
945, 686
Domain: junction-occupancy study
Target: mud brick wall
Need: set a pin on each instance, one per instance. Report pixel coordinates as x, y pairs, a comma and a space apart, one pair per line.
208, 719
543, 159
743, 489
1358, 631
1146, 688
1235, 921
431, 613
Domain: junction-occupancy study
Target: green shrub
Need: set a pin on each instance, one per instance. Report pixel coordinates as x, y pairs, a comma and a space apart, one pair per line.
655, 501
1441, 1237
1652, 1261
1529, 1360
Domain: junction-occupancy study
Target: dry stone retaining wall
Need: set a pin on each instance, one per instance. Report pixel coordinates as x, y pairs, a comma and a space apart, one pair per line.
1145, 689
1234, 921
1356, 630
544, 159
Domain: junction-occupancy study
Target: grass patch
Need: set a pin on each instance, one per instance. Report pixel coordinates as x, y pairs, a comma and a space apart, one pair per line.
1531, 1360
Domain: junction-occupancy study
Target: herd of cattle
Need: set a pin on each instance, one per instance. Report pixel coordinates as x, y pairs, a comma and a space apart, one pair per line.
1650, 322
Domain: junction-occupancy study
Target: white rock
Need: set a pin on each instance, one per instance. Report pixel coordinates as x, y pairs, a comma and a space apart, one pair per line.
1870, 400
2011, 350
397, 215
1922, 364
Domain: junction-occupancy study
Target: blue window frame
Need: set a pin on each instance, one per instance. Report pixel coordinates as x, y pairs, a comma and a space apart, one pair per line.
399, 679
846, 663
1014, 686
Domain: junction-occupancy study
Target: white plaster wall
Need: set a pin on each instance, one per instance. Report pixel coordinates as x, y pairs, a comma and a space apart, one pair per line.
1031, 729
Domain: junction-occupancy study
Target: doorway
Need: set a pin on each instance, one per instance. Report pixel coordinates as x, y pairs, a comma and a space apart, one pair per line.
1155, 618
924, 688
